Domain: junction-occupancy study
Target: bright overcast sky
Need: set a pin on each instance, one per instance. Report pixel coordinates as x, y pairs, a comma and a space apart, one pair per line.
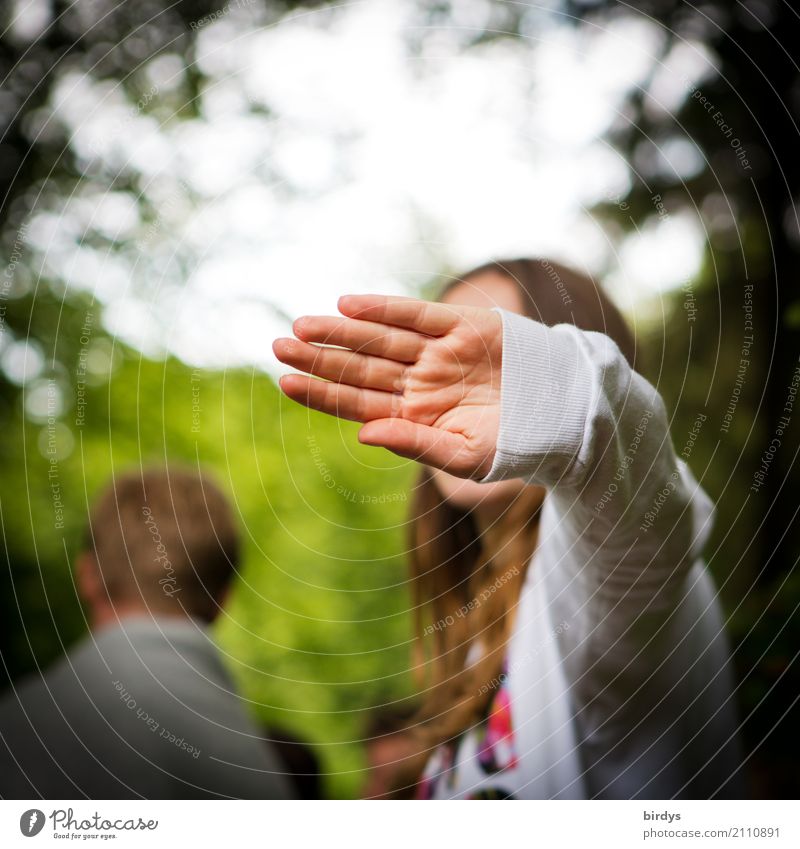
373, 170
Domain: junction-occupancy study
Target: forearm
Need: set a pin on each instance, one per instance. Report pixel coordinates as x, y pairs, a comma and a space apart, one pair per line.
579, 421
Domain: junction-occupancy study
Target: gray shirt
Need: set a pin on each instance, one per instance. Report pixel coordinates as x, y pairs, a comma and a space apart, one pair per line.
142, 708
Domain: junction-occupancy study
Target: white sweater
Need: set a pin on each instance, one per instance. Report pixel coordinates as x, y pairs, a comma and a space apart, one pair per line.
618, 674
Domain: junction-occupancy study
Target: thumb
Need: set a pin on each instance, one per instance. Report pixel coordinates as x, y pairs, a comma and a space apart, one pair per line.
432, 446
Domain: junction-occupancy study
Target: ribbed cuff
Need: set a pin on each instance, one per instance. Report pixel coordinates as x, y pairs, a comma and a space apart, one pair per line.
546, 395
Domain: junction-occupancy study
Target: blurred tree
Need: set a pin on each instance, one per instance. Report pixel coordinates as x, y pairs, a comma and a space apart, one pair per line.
40, 44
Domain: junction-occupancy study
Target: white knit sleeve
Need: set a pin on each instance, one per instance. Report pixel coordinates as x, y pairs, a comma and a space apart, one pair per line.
576, 419
621, 531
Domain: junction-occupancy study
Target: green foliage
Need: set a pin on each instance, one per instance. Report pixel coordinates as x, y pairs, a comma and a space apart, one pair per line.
317, 629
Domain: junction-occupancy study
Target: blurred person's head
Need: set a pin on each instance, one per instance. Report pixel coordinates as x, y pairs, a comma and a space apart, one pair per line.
471, 543
160, 541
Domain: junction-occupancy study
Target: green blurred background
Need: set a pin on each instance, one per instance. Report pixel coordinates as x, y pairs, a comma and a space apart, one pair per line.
317, 630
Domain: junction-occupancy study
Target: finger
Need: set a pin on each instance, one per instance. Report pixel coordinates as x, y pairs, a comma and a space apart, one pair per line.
366, 337
424, 317
429, 445
346, 402
341, 365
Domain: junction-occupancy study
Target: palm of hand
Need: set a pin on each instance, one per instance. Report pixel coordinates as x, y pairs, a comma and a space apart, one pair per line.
424, 378
454, 387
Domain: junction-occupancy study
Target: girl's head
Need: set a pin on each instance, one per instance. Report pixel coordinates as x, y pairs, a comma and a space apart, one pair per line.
471, 543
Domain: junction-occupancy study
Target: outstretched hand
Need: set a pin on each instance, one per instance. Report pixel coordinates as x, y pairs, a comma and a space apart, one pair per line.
423, 377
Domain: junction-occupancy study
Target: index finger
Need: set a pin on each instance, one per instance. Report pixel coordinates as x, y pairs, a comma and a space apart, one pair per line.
423, 316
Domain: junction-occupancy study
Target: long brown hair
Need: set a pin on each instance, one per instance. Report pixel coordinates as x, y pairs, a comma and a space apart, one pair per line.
466, 585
